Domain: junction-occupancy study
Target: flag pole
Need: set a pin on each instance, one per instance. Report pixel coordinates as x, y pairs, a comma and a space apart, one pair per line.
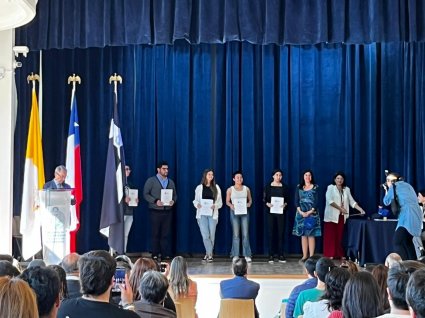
74, 79
33, 77
115, 78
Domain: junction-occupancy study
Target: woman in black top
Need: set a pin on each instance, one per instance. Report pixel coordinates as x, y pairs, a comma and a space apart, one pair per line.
273, 192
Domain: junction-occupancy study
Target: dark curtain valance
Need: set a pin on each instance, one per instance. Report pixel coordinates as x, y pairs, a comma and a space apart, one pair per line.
98, 23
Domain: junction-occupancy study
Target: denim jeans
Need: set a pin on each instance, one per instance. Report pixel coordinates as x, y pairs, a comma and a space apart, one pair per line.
128, 221
207, 226
240, 222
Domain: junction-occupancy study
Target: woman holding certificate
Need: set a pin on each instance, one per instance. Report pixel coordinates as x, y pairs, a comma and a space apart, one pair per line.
207, 202
307, 220
275, 197
238, 199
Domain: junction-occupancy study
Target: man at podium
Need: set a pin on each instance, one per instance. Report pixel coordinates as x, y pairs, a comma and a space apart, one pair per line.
59, 181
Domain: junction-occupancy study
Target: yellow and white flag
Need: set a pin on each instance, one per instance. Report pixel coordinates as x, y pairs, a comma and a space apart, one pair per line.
33, 181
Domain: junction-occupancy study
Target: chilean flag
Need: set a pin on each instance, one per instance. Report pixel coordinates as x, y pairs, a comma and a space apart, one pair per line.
73, 165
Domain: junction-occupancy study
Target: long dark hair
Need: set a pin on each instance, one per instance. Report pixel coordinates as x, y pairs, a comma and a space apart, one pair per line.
213, 186
361, 297
342, 174
302, 182
335, 281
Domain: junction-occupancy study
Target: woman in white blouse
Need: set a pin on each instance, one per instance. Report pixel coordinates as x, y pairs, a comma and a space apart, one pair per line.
338, 202
207, 202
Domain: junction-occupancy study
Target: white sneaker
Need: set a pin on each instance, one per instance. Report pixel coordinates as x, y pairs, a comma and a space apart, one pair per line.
235, 258
248, 259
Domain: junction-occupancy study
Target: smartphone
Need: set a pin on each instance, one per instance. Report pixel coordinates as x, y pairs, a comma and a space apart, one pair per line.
163, 267
119, 278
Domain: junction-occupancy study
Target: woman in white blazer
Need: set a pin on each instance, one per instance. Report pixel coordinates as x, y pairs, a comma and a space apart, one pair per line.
338, 202
207, 202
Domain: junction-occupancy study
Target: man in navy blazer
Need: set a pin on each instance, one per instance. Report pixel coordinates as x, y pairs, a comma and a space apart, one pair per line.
59, 181
239, 287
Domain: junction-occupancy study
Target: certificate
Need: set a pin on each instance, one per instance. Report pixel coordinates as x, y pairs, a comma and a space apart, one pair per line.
277, 205
206, 205
166, 196
240, 206
133, 194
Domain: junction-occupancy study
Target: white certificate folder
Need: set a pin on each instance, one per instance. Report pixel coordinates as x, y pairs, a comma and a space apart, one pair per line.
240, 206
277, 205
166, 196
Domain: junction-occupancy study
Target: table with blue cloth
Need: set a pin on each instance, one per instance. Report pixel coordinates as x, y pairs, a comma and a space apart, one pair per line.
369, 241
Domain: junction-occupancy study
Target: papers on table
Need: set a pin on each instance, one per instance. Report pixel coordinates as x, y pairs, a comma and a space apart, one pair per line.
240, 206
166, 196
206, 207
133, 194
277, 205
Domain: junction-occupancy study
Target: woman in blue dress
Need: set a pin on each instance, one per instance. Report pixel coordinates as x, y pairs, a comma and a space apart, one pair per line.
307, 220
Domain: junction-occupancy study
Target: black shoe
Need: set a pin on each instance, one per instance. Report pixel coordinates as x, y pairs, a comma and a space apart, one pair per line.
282, 259
271, 260
210, 259
205, 258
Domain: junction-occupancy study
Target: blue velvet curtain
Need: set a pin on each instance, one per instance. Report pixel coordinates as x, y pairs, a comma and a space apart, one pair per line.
328, 107
99, 23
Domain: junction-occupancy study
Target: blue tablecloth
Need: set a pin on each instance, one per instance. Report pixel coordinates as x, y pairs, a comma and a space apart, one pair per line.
369, 241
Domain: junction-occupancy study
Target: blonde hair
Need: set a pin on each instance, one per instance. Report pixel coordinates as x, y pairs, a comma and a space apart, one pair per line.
17, 299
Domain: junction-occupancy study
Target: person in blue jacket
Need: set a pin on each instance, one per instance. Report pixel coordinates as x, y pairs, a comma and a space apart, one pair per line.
409, 223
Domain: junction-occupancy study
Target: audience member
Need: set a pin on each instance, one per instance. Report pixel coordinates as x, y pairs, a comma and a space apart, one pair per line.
63, 292
350, 266
311, 282
239, 287
415, 294
7, 269
380, 273
70, 265
361, 298
36, 262
181, 286
331, 300
6, 257
46, 285
97, 269
153, 288
392, 259
17, 299
397, 282
141, 266
323, 266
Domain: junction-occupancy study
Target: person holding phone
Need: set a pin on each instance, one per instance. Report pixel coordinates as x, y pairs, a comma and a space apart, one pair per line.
410, 215
207, 203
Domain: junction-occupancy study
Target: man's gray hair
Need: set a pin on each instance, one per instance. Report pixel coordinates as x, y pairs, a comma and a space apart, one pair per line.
153, 287
61, 168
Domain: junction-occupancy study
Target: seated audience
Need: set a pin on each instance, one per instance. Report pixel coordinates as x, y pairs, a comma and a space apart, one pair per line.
392, 259
361, 298
63, 292
331, 300
7, 269
97, 269
46, 285
37, 263
70, 265
311, 282
323, 266
397, 282
380, 273
181, 286
350, 266
239, 287
153, 288
141, 266
415, 294
17, 299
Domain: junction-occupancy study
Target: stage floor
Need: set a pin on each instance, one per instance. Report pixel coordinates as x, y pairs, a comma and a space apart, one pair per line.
276, 281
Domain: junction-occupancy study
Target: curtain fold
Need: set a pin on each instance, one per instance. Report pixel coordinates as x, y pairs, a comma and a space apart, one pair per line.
99, 23
328, 107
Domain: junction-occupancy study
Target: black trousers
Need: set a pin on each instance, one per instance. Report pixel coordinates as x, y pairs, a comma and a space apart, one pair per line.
161, 222
276, 229
403, 244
